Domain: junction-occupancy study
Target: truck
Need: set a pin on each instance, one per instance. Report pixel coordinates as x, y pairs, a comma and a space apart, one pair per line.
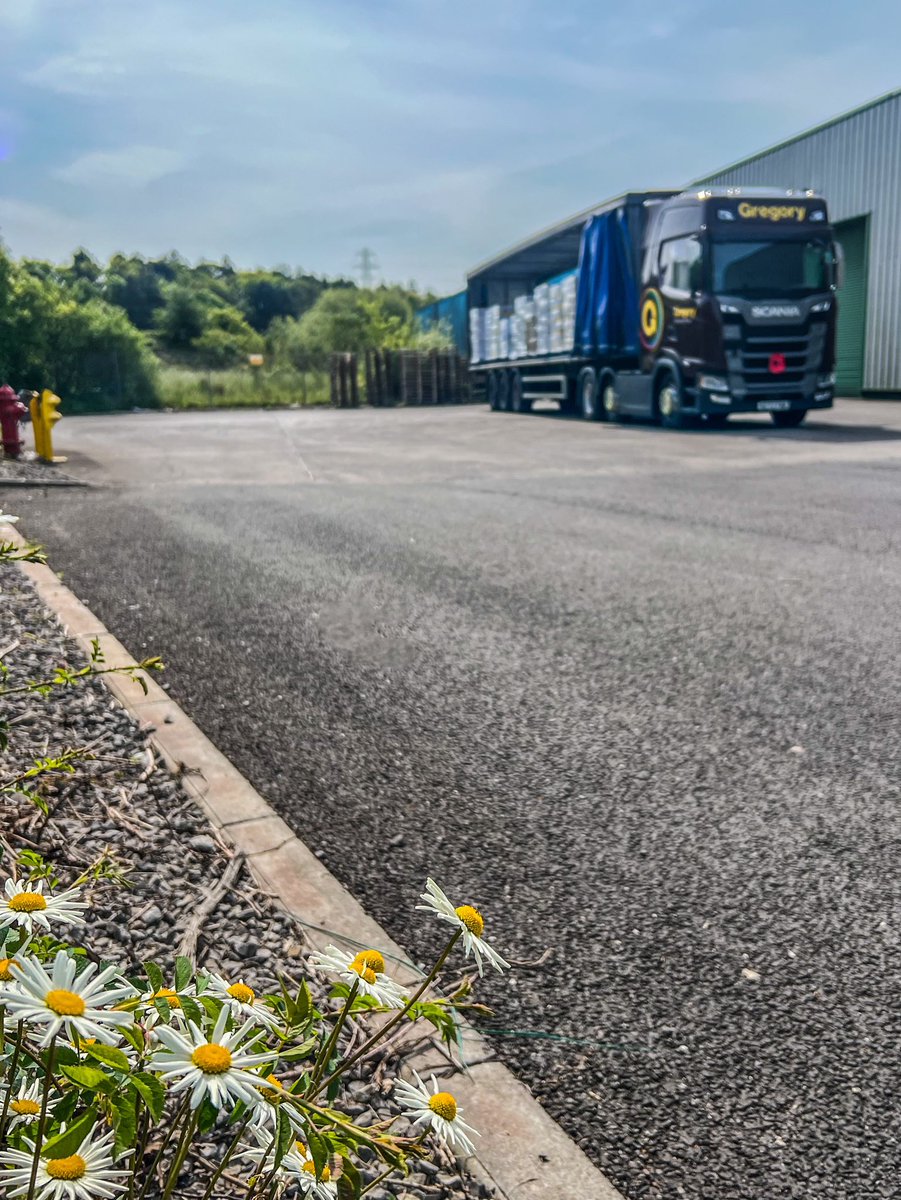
678, 307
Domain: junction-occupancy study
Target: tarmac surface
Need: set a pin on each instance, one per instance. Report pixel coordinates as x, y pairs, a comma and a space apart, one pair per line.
631, 691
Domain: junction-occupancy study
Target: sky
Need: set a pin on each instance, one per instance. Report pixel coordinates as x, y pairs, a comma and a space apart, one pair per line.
433, 132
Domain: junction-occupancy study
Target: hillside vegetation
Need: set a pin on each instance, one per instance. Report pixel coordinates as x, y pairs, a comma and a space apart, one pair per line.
138, 332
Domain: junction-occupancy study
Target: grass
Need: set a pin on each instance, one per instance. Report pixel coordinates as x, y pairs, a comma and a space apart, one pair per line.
242, 387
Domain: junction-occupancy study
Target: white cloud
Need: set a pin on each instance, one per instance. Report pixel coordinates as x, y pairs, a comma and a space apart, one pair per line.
127, 167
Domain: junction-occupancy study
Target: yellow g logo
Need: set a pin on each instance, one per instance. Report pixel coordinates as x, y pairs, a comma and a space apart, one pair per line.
651, 321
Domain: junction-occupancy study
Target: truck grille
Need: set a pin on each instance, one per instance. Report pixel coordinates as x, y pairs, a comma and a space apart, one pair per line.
750, 352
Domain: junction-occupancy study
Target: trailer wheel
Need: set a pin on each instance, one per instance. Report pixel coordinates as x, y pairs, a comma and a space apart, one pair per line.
789, 420
588, 394
668, 402
519, 402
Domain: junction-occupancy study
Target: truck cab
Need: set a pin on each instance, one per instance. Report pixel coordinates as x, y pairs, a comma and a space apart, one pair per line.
737, 307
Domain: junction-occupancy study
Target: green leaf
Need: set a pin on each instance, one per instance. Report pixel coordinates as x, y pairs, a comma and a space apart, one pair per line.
298, 1052
206, 1116
318, 1150
67, 1143
350, 1183
152, 1091
91, 1078
183, 972
108, 1055
192, 1010
284, 1137
125, 1121
155, 976
303, 1005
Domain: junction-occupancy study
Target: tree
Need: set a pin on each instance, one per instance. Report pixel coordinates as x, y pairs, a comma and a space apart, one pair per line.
227, 339
181, 319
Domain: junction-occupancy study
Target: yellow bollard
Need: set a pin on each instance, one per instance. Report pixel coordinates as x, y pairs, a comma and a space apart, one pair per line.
49, 416
37, 424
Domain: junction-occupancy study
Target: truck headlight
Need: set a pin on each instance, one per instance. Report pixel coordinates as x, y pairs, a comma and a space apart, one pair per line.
821, 306
713, 383
826, 380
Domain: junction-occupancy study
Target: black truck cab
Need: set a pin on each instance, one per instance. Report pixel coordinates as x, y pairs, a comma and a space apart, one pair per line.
737, 307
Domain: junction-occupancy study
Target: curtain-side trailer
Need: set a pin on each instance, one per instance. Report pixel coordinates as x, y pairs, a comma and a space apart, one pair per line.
664, 305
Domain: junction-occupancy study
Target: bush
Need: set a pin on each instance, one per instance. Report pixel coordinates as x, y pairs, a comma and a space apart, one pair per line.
242, 387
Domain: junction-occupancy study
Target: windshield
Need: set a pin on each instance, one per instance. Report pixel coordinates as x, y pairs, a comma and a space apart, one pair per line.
757, 270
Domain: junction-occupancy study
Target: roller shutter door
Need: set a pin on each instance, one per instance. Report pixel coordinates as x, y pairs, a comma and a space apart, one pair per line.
852, 307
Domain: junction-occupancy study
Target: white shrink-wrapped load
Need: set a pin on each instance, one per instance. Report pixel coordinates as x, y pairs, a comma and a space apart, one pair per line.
505, 346
556, 308
523, 316
477, 334
542, 298
493, 332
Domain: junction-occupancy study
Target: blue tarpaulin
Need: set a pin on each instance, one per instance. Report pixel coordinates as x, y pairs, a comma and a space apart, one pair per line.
449, 313
607, 295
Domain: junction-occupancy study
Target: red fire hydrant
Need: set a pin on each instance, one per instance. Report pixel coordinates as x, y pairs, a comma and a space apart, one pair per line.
12, 410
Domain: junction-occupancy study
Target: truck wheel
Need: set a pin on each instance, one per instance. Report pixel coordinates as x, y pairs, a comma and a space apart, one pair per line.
608, 398
520, 403
492, 391
588, 394
668, 403
790, 419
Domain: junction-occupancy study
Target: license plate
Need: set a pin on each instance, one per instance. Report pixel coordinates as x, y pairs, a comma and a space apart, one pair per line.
773, 405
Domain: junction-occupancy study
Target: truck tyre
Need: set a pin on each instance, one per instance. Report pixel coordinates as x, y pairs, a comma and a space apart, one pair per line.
520, 403
790, 419
668, 402
588, 394
607, 399
491, 391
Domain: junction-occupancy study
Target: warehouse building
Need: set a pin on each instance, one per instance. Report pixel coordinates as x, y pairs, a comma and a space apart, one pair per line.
855, 162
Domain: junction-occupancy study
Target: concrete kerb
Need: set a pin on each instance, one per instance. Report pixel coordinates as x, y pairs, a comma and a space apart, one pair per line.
522, 1152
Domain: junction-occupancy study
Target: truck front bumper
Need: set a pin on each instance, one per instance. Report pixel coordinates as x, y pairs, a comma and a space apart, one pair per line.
703, 402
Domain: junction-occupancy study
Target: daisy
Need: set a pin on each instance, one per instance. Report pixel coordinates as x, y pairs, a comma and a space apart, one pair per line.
151, 1014
467, 919
215, 1067
436, 1110
89, 1174
265, 1116
26, 905
26, 1105
296, 1167
242, 1000
366, 970
82, 1006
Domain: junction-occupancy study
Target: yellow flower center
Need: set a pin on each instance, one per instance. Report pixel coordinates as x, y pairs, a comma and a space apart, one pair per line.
301, 1149
310, 1169
444, 1105
242, 993
167, 994
272, 1092
5, 973
471, 918
27, 902
73, 1167
371, 959
25, 1108
212, 1058
363, 971
65, 1004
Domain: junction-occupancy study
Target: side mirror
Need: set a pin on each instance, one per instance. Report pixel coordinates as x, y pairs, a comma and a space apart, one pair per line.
838, 257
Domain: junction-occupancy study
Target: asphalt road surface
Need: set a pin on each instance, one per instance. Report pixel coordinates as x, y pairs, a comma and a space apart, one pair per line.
633, 692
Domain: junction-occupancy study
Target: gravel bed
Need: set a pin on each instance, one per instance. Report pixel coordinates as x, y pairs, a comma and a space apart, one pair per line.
30, 471
126, 805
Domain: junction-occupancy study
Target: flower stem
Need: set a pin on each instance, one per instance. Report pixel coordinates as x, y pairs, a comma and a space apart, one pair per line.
148, 1179
226, 1159
42, 1123
9, 1091
325, 1053
180, 1155
395, 1020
